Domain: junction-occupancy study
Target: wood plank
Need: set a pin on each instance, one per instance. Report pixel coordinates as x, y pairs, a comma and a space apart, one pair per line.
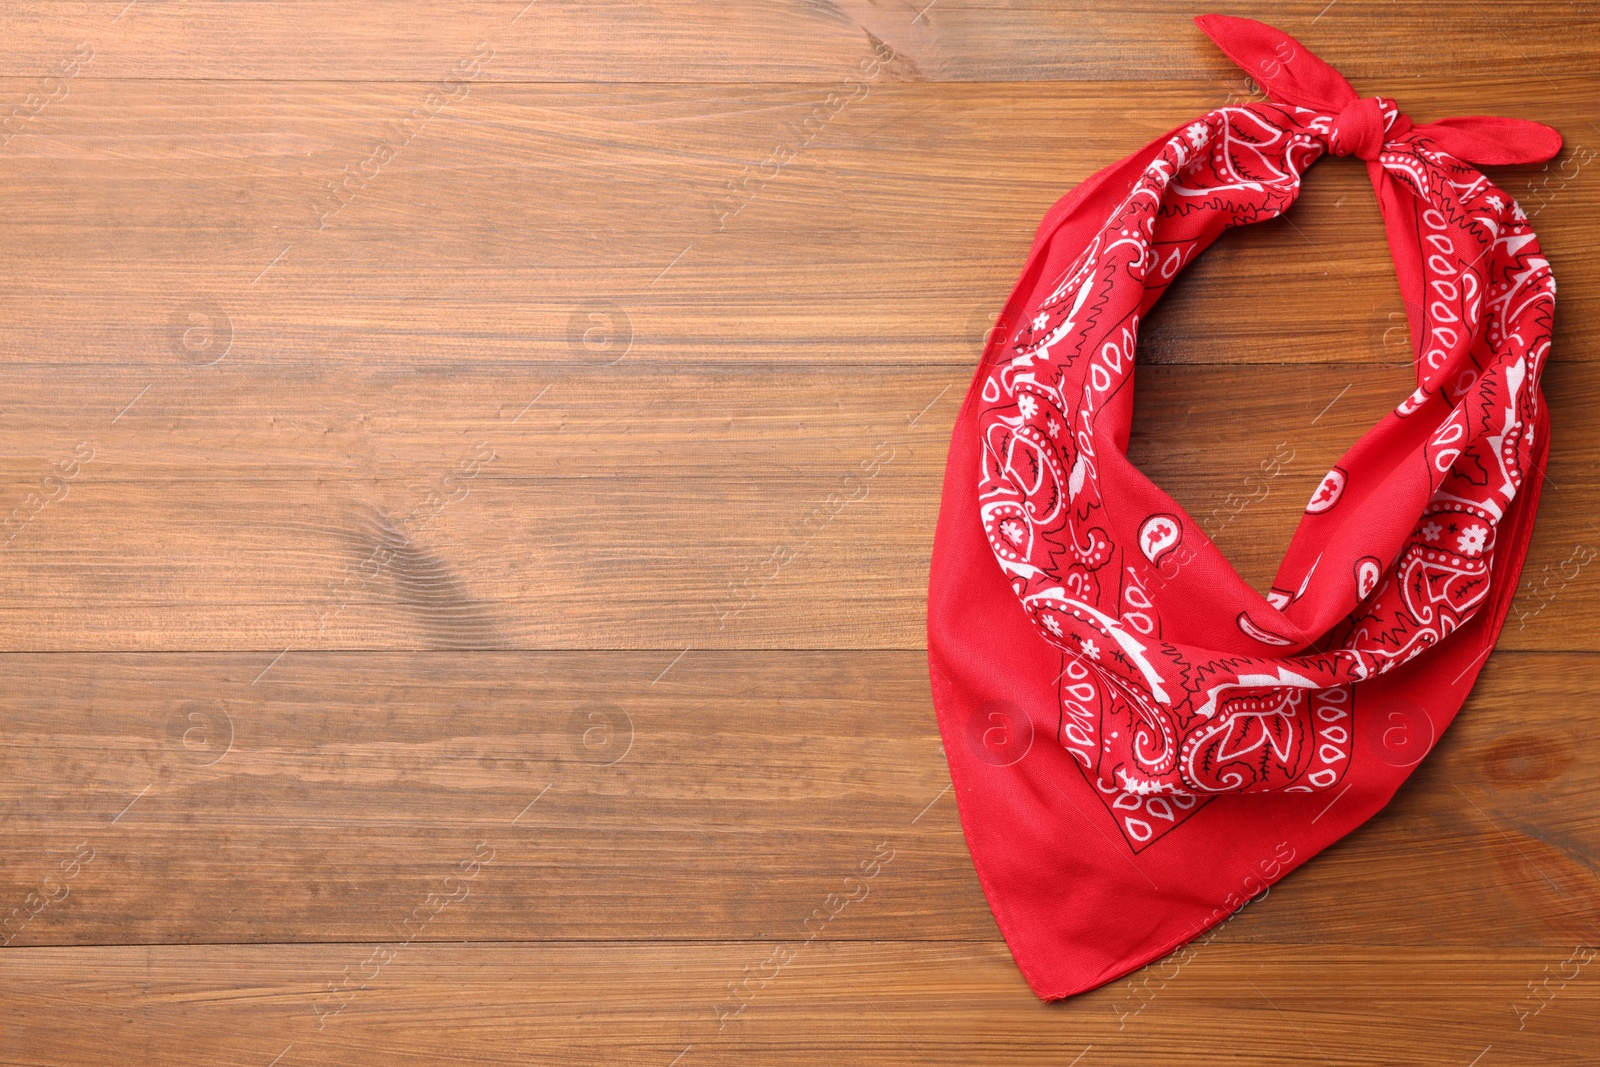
634, 506
878, 1003
572, 224
654, 797
794, 40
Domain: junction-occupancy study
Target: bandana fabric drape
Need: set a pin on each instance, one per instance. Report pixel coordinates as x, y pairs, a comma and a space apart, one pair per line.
1138, 740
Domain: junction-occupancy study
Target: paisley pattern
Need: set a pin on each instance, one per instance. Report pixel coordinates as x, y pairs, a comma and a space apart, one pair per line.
1160, 723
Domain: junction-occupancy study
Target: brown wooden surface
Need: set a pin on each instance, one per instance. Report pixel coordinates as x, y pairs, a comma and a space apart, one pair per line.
344, 552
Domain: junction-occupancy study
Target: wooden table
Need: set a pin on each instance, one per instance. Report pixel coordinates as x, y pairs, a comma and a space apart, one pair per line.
446, 618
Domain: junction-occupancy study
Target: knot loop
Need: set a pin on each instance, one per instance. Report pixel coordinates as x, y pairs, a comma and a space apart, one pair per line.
1359, 129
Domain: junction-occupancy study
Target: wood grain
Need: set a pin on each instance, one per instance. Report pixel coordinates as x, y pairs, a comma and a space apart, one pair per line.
573, 225
901, 1004
322, 799
634, 506
395, 668
791, 40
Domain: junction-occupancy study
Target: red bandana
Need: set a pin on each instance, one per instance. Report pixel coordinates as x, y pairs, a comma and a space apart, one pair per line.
1139, 741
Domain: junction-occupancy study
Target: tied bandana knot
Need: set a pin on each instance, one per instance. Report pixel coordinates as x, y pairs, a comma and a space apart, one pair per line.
1139, 741
1290, 74
1359, 129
